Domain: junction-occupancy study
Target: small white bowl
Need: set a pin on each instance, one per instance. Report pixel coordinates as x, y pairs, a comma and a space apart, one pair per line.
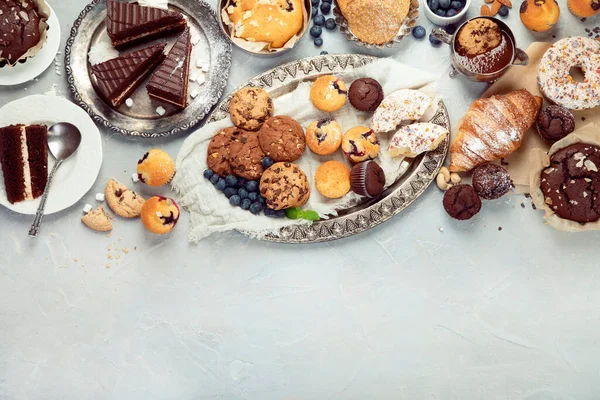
444, 21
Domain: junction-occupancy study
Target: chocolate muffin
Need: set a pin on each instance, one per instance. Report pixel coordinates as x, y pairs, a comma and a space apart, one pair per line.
365, 94
491, 181
571, 184
554, 123
461, 202
20, 26
367, 179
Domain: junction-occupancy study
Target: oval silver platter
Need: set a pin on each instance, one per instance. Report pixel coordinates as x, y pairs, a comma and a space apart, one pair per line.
142, 118
420, 171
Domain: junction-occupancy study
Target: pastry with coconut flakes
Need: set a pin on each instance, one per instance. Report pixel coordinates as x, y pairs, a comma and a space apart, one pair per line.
412, 140
402, 105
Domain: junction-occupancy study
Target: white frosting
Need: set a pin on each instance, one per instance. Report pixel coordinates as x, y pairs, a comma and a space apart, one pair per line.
162, 4
26, 170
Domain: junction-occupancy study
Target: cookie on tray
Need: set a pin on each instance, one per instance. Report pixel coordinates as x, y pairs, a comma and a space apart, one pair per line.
250, 107
324, 136
284, 185
124, 202
217, 157
282, 138
328, 93
245, 155
332, 179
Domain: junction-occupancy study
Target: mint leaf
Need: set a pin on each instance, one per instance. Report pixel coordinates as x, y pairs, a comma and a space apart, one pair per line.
310, 215
293, 213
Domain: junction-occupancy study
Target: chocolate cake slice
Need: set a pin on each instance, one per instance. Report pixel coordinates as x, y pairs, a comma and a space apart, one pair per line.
170, 81
24, 160
130, 23
116, 79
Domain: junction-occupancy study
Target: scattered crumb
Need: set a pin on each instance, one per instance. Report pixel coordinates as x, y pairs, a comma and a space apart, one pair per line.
107, 265
522, 205
502, 162
108, 235
583, 118
441, 229
109, 256
125, 250
135, 177
499, 228
135, 248
160, 110
75, 260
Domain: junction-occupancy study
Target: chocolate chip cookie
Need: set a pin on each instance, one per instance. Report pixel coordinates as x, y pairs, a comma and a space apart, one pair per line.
217, 156
124, 202
245, 155
282, 138
284, 185
250, 107
462, 202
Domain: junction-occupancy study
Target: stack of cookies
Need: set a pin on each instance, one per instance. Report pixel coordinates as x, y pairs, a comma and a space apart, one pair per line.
374, 21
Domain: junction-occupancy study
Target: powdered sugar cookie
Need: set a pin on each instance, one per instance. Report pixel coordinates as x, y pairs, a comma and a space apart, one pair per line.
402, 105
412, 140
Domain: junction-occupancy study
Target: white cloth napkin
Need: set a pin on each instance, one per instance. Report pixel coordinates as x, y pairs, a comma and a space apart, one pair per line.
210, 210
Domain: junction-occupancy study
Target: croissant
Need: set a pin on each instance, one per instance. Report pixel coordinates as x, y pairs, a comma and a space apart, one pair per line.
493, 128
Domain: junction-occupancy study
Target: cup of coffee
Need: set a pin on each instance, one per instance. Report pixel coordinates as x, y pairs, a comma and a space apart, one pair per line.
482, 49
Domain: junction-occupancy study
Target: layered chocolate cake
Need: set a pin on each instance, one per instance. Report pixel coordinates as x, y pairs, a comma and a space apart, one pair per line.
170, 81
116, 79
130, 23
24, 160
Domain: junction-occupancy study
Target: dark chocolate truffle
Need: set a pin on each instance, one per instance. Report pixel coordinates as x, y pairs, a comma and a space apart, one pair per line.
367, 179
365, 94
461, 202
554, 123
571, 184
491, 181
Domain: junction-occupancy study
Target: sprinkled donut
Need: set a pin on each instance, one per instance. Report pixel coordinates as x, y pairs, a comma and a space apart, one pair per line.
554, 73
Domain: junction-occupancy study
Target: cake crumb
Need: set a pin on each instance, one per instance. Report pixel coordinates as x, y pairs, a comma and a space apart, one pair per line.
499, 228
108, 235
75, 260
107, 265
125, 250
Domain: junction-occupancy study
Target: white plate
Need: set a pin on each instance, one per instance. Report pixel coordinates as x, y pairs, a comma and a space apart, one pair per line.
76, 175
34, 66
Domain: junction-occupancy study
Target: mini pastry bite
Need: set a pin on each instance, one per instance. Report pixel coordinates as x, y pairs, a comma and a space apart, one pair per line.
554, 74
155, 168
365, 94
170, 81
23, 29
160, 214
24, 161
493, 128
571, 183
129, 23
554, 123
412, 140
367, 179
328, 93
274, 21
375, 22
116, 79
332, 179
250, 107
584, 8
402, 105
284, 185
491, 181
324, 136
539, 15
122, 201
282, 138
360, 144
461, 202
97, 220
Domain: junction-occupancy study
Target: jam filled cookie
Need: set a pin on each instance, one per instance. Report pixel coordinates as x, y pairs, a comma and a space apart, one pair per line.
282, 138
328, 93
284, 185
360, 144
97, 220
160, 214
155, 168
124, 202
332, 179
250, 107
324, 136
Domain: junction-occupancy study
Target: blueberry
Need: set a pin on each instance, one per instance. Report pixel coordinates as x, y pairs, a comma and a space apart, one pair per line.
319, 20
316, 31
445, 4
314, 12
267, 162
221, 185
325, 8
434, 41
450, 29
252, 186
269, 213
208, 173
256, 207
457, 5
330, 24
214, 179
503, 12
253, 196
433, 4
323, 53
242, 182
440, 12
235, 200
280, 214
451, 13
262, 200
243, 193
318, 42
327, 1
231, 181
419, 32
315, 3
246, 203
230, 192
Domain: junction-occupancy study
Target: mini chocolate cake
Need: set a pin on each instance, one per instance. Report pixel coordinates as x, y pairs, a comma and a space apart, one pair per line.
491, 181
367, 179
24, 160
554, 123
130, 23
170, 81
365, 94
461, 202
571, 184
19, 28
116, 79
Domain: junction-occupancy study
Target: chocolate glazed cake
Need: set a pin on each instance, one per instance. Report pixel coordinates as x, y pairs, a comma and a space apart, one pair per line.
24, 160
116, 79
170, 81
130, 23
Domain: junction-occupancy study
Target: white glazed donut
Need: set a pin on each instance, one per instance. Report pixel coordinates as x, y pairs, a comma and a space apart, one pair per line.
412, 140
554, 73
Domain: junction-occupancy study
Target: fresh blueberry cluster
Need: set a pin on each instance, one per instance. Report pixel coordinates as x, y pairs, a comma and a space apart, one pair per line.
446, 8
319, 20
243, 193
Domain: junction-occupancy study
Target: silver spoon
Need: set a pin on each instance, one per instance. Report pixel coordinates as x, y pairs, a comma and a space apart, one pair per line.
63, 141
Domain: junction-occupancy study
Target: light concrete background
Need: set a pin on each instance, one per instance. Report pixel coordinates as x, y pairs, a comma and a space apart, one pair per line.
421, 307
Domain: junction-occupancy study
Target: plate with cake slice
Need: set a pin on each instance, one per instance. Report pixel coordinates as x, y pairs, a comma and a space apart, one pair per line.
147, 71
25, 160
